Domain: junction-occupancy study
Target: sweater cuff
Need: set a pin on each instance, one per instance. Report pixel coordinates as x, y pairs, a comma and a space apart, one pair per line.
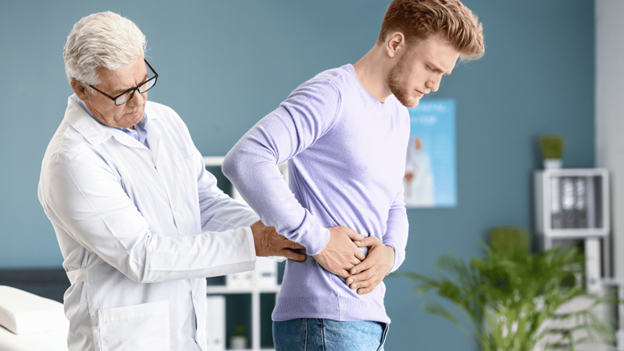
315, 238
398, 258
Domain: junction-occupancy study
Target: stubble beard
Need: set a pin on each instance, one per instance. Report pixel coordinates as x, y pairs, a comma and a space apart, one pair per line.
396, 83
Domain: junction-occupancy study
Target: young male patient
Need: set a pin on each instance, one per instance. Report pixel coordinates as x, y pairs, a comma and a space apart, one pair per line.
345, 133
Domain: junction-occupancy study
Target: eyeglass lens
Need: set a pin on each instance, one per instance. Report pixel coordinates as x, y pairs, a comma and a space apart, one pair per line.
143, 88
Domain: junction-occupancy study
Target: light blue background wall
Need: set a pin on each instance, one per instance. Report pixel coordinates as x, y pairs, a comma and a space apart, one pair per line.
225, 64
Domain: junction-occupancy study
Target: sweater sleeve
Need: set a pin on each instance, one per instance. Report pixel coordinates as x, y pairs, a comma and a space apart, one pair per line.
306, 115
397, 230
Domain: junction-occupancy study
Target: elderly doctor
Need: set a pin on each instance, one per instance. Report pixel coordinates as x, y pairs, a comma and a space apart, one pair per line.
139, 220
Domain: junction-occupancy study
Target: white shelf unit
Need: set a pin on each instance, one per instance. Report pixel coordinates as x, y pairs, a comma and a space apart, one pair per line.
213, 161
255, 288
574, 204
255, 291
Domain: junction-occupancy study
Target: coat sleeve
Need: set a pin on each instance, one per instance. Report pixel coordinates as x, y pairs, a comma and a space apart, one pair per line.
218, 210
85, 198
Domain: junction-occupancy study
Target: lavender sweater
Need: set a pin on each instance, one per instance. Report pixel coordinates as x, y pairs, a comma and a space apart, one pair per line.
347, 159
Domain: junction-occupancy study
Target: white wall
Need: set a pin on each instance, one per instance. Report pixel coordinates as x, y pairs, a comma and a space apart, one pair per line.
610, 112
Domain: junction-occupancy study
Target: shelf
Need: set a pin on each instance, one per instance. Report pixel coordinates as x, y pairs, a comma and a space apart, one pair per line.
213, 161
251, 294
572, 203
223, 289
575, 233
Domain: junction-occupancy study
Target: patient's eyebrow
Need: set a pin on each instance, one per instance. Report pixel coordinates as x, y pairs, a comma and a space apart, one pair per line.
437, 69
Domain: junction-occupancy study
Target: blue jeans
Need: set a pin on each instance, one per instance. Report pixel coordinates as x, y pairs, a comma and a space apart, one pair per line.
309, 334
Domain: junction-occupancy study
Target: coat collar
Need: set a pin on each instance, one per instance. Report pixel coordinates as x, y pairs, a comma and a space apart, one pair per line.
93, 131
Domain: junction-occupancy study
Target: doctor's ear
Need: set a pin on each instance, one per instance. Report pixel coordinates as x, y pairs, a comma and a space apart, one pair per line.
80, 89
395, 43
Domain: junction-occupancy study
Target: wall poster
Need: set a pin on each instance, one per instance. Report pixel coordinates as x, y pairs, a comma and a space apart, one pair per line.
430, 172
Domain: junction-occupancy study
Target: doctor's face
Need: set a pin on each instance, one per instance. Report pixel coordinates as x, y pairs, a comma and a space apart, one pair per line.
420, 69
114, 83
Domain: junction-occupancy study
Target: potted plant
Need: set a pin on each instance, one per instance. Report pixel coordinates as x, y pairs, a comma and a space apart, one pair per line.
238, 341
552, 147
506, 298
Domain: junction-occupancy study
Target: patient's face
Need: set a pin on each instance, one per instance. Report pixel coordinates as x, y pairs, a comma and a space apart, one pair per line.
420, 68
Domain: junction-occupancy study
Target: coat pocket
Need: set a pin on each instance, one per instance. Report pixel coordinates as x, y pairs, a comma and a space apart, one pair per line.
135, 328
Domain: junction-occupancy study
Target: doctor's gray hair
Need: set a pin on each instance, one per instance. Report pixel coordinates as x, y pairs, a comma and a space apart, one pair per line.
103, 39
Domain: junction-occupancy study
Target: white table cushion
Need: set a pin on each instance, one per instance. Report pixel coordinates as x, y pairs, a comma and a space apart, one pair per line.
24, 313
45, 341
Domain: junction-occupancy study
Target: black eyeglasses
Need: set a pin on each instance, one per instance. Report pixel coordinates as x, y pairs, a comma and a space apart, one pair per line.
128, 94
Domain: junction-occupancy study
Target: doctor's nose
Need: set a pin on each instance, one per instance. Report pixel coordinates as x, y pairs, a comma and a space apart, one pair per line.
138, 99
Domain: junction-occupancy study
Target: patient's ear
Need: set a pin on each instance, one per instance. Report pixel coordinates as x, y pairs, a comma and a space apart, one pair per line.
80, 89
394, 44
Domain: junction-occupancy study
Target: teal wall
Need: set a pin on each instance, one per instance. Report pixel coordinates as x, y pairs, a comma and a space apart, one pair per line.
225, 64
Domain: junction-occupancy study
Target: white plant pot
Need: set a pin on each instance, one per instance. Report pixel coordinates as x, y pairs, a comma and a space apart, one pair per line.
238, 342
552, 163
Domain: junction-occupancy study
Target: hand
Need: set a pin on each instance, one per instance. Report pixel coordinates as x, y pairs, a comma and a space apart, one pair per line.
340, 254
368, 274
268, 242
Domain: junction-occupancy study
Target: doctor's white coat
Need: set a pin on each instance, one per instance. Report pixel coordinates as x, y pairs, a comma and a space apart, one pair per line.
139, 230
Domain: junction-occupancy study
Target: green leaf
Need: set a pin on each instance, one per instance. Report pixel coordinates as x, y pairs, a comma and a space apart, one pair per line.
504, 299
436, 308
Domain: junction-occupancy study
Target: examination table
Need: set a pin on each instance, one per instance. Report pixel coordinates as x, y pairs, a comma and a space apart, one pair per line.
31, 323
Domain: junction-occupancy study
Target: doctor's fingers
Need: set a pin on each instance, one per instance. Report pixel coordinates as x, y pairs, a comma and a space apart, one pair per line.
270, 237
272, 242
280, 241
291, 244
290, 254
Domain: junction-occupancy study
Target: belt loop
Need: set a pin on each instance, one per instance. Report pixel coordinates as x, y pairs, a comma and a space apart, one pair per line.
77, 276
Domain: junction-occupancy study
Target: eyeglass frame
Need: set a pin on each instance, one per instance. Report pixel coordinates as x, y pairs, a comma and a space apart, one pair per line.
132, 90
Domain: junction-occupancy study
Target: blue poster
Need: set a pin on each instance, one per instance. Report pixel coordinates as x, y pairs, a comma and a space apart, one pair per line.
430, 171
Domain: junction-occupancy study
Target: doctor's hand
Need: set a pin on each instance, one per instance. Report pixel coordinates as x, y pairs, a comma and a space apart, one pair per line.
340, 254
378, 263
268, 242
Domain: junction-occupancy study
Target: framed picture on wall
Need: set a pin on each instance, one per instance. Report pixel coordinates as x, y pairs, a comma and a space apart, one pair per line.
430, 171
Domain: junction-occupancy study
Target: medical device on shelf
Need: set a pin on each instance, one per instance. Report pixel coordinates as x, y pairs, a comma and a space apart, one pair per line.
573, 204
